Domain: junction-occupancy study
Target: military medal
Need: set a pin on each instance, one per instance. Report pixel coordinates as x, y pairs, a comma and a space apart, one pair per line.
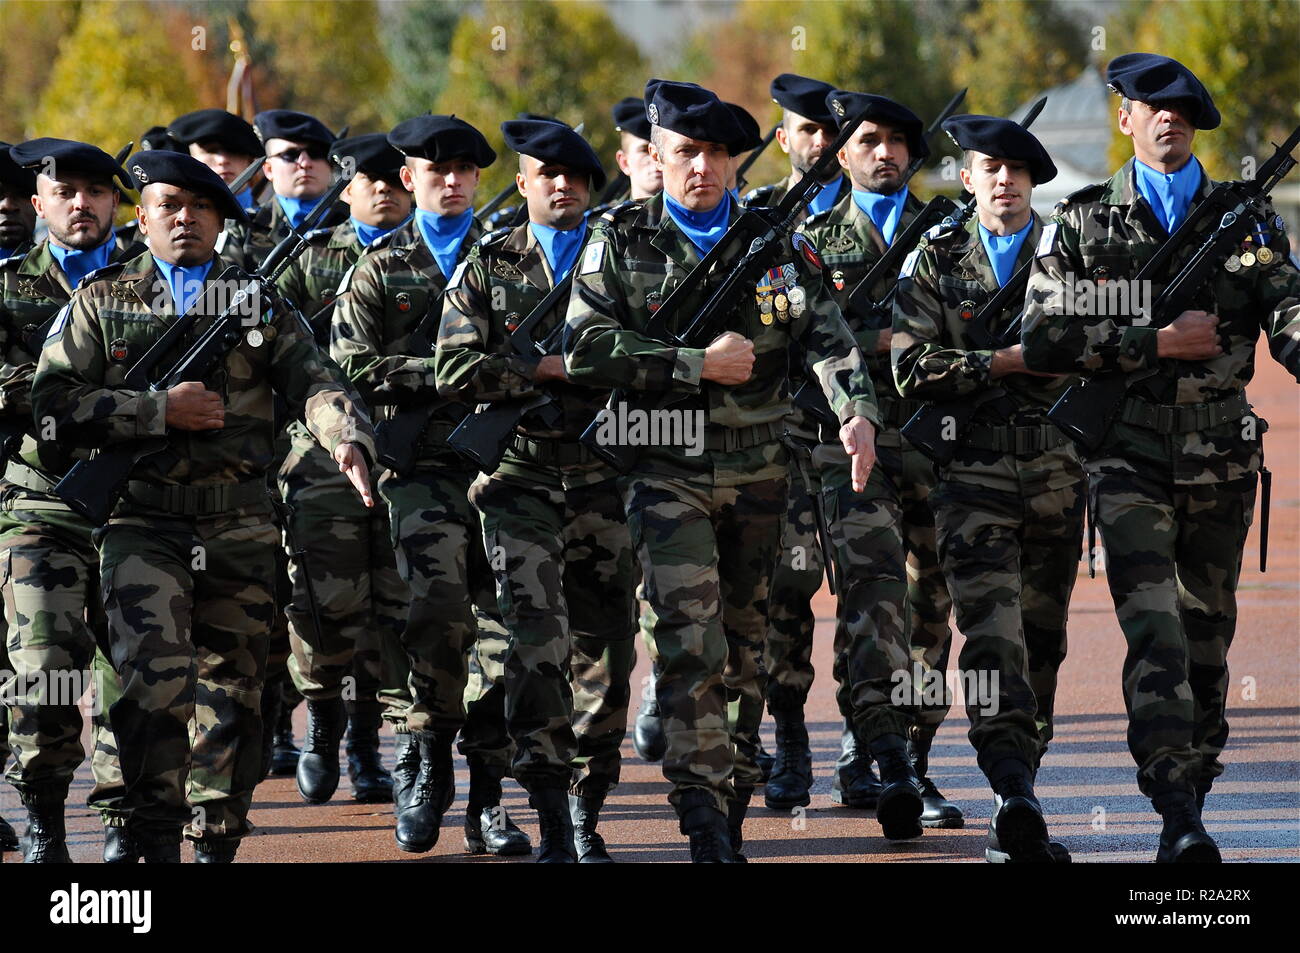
254, 337
1233, 263
782, 307
1248, 259
797, 298
765, 309
118, 350
268, 333
1265, 255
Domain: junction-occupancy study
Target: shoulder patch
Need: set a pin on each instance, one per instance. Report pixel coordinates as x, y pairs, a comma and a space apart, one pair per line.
59, 323
1089, 193
345, 281
617, 211
593, 258
1047, 240
804, 246
909, 263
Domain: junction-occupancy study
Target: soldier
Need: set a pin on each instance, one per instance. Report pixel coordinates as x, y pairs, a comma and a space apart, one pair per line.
806, 129
644, 177
188, 556
1172, 484
851, 236
707, 525
51, 568
552, 511
222, 141
1009, 507
361, 599
437, 534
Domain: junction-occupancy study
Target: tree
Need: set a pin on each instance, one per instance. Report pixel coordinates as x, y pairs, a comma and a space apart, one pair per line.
417, 36
33, 31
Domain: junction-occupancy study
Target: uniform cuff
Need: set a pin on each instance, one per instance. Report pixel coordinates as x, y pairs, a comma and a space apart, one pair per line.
688, 366
979, 366
1137, 349
151, 414
861, 408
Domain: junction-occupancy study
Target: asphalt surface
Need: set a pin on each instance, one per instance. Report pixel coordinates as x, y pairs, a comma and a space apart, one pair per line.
1086, 783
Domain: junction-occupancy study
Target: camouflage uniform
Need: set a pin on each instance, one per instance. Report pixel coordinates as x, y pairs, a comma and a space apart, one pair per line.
1009, 507
1173, 485
553, 517
435, 532
249, 244
706, 528
50, 569
187, 559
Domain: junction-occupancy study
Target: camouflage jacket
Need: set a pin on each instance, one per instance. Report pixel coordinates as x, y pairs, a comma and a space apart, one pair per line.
248, 245
1106, 232
114, 319
766, 196
381, 302
634, 259
312, 282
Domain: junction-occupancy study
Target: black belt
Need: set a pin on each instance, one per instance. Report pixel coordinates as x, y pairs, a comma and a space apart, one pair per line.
1183, 418
1009, 438
896, 411
208, 500
730, 439
551, 452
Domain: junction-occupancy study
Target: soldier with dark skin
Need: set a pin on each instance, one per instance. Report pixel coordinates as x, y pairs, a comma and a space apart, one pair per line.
436, 532
360, 599
1009, 506
51, 568
705, 517
1172, 482
188, 554
552, 510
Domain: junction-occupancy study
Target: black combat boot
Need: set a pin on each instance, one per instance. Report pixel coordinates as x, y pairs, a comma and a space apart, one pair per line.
284, 753
45, 840
318, 768
737, 808
709, 833
855, 783
488, 828
648, 736
899, 806
8, 839
792, 777
552, 807
938, 810
1017, 831
405, 768
1183, 839
432, 792
156, 846
216, 851
119, 845
586, 815
371, 784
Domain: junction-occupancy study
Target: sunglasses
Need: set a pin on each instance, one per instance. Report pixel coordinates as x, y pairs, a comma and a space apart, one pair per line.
290, 156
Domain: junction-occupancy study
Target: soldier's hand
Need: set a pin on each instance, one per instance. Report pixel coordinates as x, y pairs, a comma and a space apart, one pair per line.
1011, 360
883, 342
729, 359
191, 406
1192, 336
353, 462
858, 436
550, 368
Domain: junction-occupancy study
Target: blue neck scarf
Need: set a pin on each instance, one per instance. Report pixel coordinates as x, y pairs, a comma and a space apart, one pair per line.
297, 210
245, 199
77, 264
368, 233
185, 283
1168, 195
704, 229
1003, 249
826, 197
886, 211
561, 248
444, 234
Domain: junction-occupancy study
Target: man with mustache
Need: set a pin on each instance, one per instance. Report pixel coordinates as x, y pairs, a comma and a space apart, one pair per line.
1173, 481
51, 567
436, 532
880, 594
807, 129
1009, 507
356, 659
187, 557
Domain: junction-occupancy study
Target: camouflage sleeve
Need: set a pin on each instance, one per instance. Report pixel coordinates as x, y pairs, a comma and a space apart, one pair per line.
1058, 342
832, 355
1280, 294
357, 341
600, 349
69, 385
16, 371
465, 369
316, 389
926, 366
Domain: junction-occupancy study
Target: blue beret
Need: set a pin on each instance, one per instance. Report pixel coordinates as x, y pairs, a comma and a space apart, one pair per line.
1153, 79
231, 131
845, 105
753, 137
13, 175
68, 155
629, 116
804, 96
440, 138
692, 111
370, 153
185, 172
157, 137
554, 142
291, 125
1005, 140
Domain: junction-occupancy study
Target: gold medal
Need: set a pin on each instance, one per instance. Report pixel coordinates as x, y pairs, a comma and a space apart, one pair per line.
782, 306
1233, 264
268, 333
1265, 255
1248, 259
765, 317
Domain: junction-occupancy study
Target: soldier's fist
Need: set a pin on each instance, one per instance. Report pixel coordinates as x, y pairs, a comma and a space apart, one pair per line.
1192, 336
729, 359
191, 406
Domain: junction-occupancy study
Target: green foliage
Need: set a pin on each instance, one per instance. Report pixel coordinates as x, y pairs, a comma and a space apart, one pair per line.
32, 32
417, 37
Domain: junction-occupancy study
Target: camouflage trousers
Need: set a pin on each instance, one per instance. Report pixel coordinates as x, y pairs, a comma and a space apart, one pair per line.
55, 633
361, 600
565, 583
438, 541
1011, 560
190, 605
706, 555
1173, 561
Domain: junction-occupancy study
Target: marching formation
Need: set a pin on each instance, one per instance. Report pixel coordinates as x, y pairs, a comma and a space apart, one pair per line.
333, 436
